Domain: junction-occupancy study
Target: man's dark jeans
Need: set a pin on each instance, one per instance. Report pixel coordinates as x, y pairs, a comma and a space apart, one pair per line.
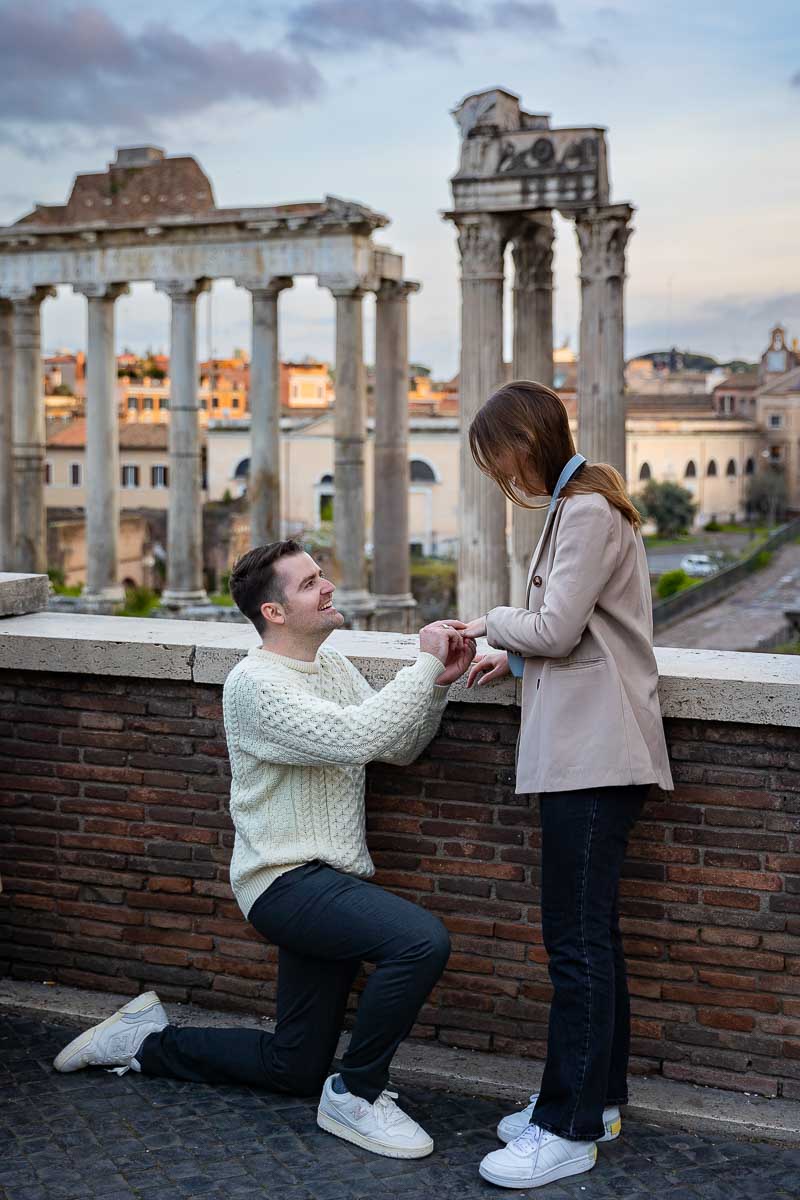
584, 840
326, 924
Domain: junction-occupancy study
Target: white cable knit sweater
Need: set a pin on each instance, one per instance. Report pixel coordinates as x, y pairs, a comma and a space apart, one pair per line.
299, 735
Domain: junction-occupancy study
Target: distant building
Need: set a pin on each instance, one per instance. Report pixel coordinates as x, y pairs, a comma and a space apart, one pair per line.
735, 396
64, 372
144, 466
306, 385
223, 389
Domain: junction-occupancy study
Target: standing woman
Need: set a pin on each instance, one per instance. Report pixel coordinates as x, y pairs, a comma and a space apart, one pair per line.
591, 743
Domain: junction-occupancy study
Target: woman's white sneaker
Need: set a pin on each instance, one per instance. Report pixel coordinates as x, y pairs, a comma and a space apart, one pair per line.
514, 1124
114, 1042
537, 1157
381, 1127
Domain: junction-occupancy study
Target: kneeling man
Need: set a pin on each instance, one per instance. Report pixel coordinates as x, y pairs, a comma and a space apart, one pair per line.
301, 723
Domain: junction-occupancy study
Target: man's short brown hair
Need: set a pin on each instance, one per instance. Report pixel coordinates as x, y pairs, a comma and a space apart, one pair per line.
254, 580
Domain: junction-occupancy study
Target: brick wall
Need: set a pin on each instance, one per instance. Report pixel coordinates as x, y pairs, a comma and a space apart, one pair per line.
115, 841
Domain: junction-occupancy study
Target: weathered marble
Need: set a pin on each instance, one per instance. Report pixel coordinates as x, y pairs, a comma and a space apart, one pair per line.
102, 448
185, 521
602, 237
482, 559
391, 581
533, 359
350, 428
28, 429
264, 481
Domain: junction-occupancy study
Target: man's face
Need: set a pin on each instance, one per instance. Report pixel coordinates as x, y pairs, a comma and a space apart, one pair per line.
308, 609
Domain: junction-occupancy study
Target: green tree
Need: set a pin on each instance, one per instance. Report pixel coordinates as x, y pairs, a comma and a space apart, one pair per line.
669, 505
672, 582
767, 495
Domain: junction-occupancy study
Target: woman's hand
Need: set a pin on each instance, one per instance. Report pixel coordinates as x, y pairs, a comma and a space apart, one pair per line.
486, 668
472, 629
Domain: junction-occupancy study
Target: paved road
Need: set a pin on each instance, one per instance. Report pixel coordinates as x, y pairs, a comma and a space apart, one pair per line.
668, 558
94, 1136
754, 611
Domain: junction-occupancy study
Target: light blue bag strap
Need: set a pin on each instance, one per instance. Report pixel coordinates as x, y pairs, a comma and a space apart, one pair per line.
515, 661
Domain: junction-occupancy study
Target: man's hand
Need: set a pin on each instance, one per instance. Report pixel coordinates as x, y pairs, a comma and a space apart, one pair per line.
458, 660
438, 639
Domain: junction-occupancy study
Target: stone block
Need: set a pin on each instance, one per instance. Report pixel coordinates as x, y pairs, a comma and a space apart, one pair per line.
21, 594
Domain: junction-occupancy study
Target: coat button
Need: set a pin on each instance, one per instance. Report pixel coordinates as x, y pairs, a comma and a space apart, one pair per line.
537, 581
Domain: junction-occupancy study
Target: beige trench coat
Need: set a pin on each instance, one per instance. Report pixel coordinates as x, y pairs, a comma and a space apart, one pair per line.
590, 709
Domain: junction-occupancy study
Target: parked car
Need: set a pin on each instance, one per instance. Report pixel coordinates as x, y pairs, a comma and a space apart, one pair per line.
699, 564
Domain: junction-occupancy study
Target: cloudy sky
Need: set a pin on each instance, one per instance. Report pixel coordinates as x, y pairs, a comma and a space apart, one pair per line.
284, 100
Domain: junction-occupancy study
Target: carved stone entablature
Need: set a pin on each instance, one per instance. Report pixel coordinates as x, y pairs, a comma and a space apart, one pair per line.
533, 254
348, 212
602, 237
513, 160
482, 241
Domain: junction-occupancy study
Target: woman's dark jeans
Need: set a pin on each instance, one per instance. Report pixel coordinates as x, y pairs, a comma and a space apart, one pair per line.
326, 924
584, 840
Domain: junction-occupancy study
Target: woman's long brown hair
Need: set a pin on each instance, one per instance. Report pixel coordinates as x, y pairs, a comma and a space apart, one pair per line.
526, 424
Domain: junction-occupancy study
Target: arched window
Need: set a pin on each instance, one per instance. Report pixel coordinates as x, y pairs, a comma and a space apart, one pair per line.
731, 467
242, 470
325, 492
644, 472
421, 471
750, 466
691, 470
712, 468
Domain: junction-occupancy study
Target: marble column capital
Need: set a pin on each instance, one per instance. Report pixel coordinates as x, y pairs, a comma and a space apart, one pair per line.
27, 295
101, 291
482, 241
266, 287
397, 289
182, 289
602, 238
342, 287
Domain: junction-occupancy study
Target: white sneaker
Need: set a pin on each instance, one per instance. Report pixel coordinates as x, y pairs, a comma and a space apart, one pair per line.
514, 1124
114, 1042
537, 1157
381, 1127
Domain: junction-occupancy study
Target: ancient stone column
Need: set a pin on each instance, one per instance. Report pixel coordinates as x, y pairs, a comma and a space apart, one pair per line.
103, 588
391, 584
533, 359
482, 559
6, 460
602, 237
264, 483
352, 597
185, 519
28, 421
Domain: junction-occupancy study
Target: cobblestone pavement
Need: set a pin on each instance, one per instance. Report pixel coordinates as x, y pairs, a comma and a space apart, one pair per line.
94, 1136
754, 611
